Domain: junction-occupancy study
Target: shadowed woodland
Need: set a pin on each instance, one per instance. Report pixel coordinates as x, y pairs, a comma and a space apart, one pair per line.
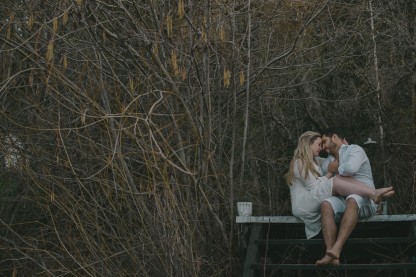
130, 128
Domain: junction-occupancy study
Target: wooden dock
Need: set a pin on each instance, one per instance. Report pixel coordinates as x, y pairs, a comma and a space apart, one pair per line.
380, 245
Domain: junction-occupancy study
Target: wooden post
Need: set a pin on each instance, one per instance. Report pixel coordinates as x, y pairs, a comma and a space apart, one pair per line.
252, 251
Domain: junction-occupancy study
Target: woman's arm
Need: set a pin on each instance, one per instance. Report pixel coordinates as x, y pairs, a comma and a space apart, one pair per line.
329, 175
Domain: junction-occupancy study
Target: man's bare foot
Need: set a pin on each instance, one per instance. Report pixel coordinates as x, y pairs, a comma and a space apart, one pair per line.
382, 193
327, 260
334, 254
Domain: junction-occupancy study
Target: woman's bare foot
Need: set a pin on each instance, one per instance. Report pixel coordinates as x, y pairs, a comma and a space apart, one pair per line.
382, 193
387, 195
327, 260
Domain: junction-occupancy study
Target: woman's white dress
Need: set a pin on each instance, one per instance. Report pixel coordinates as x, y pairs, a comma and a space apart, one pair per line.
306, 197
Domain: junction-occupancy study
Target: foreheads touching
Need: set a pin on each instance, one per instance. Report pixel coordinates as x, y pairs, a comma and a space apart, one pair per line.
308, 138
334, 133
309, 141
331, 138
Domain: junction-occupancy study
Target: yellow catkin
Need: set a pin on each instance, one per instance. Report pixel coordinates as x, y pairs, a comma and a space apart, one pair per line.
11, 18
222, 34
65, 61
55, 24
174, 63
65, 18
183, 72
49, 51
242, 78
155, 50
169, 25
131, 84
30, 21
227, 77
8, 32
204, 36
79, 3
181, 9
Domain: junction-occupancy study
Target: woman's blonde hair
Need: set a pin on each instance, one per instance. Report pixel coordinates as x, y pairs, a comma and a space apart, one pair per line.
304, 156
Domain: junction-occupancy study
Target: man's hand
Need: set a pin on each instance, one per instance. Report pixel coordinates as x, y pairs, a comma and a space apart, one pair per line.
333, 166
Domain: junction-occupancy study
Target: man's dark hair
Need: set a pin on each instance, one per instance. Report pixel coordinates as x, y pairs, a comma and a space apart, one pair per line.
334, 131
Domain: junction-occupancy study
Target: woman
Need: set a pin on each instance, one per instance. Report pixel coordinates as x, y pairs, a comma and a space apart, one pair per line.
308, 188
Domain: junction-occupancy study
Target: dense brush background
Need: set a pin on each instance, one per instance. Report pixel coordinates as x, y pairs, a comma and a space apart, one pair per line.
129, 129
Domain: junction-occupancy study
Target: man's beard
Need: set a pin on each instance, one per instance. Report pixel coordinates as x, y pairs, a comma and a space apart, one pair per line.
332, 148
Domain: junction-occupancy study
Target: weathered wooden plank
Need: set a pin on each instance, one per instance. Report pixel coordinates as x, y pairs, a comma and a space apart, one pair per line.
292, 219
367, 241
384, 266
267, 219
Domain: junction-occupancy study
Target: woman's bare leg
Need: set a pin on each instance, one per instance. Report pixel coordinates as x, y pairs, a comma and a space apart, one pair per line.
346, 185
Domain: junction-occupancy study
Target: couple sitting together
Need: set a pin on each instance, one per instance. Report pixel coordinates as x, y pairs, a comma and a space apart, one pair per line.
337, 188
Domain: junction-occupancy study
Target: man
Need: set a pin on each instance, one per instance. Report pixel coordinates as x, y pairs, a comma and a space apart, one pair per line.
347, 160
